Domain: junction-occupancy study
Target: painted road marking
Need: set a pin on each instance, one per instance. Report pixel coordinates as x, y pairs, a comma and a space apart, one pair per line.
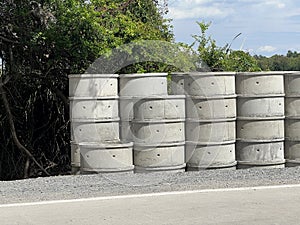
148, 195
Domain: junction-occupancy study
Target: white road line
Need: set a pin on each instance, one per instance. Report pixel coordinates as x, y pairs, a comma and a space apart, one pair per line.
149, 195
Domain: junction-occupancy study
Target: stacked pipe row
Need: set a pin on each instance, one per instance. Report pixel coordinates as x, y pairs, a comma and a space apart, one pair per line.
202, 110
211, 115
94, 115
292, 123
154, 121
260, 122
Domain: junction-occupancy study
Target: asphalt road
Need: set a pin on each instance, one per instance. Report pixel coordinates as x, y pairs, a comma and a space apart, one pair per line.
267, 205
205, 197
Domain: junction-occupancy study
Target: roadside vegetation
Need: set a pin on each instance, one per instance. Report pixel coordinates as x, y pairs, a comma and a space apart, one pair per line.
43, 41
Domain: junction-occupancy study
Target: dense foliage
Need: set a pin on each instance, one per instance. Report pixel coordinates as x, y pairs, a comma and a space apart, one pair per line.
41, 42
221, 58
288, 62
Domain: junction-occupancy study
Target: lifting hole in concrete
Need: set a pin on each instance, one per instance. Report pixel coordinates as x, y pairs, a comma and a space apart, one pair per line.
83, 107
257, 82
87, 156
108, 106
158, 155
111, 84
181, 84
150, 107
113, 156
157, 131
200, 107
208, 153
257, 150
212, 83
226, 106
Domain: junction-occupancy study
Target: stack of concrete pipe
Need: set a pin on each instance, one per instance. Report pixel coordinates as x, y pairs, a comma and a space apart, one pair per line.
94, 113
260, 122
154, 121
211, 116
292, 122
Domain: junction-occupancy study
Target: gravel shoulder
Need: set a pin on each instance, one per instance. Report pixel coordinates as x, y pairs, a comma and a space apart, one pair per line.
86, 186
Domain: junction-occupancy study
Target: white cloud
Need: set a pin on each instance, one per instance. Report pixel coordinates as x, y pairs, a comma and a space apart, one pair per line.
198, 12
276, 3
267, 48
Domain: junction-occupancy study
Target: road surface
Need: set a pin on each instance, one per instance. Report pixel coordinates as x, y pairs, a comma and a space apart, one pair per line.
257, 205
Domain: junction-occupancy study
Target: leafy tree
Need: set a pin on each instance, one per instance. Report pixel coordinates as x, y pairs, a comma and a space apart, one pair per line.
41, 42
221, 58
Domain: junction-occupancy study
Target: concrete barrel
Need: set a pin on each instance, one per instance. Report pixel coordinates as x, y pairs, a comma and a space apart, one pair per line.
292, 153
146, 84
177, 83
106, 157
211, 115
210, 156
75, 158
158, 131
163, 107
260, 120
292, 122
133, 88
93, 85
211, 108
260, 154
95, 131
210, 84
160, 157
212, 131
254, 84
260, 107
94, 108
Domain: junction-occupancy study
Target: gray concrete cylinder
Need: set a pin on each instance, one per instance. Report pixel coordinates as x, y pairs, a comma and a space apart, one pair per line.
96, 131
292, 83
260, 154
292, 107
213, 156
93, 85
260, 107
210, 84
158, 131
146, 84
259, 84
292, 153
292, 129
161, 157
212, 108
177, 83
88, 108
75, 158
210, 131
292, 122
164, 107
260, 122
106, 157
267, 129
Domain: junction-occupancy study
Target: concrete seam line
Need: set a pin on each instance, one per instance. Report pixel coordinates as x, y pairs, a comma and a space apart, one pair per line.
148, 195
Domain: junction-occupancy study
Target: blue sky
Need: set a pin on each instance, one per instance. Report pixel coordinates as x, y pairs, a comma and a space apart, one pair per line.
268, 27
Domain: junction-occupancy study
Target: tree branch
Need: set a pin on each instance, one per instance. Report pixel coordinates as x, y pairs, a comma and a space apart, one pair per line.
13, 130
